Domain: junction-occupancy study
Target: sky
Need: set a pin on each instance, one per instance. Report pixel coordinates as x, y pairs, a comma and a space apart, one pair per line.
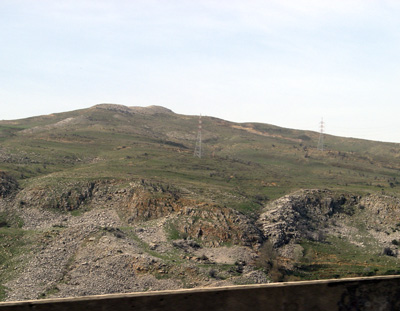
284, 62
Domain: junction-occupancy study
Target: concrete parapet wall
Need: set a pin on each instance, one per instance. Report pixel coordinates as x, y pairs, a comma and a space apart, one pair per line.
372, 293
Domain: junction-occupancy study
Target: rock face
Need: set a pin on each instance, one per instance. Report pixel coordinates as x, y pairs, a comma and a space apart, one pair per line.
315, 214
303, 214
149, 201
63, 197
138, 202
383, 210
217, 225
107, 237
100, 237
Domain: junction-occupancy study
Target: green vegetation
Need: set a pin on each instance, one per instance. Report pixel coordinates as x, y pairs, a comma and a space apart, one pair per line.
8, 220
337, 258
172, 232
171, 256
49, 292
244, 165
13, 242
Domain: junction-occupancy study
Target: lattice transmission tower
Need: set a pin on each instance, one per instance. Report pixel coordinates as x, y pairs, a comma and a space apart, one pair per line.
321, 135
198, 149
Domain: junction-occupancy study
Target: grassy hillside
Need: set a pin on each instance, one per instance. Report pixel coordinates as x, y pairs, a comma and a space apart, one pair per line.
128, 177
243, 165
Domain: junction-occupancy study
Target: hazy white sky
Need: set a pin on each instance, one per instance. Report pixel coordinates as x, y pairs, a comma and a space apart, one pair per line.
287, 63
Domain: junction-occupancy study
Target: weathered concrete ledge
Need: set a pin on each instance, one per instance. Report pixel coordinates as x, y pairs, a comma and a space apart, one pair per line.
370, 293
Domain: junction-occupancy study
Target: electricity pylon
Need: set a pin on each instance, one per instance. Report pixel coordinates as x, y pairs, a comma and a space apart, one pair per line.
198, 148
321, 136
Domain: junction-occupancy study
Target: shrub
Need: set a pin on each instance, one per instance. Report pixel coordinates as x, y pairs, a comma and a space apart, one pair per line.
269, 262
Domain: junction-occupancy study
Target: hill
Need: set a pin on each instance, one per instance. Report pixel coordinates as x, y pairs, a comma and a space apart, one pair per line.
111, 199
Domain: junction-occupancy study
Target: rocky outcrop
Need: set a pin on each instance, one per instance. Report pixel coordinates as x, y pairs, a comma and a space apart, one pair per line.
381, 210
212, 224
147, 236
303, 214
61, 197
143, 201
113, 107
215, 226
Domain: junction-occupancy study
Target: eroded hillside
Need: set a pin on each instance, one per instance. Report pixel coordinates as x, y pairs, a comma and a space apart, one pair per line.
111, 199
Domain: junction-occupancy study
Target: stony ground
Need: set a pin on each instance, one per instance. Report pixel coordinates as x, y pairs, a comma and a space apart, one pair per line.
100, 249
97, 253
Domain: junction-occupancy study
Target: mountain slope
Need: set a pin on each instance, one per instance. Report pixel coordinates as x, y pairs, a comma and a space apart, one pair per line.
111, 199
111, 141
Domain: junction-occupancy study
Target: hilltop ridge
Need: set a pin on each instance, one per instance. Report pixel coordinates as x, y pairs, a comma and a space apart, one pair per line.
134, 109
